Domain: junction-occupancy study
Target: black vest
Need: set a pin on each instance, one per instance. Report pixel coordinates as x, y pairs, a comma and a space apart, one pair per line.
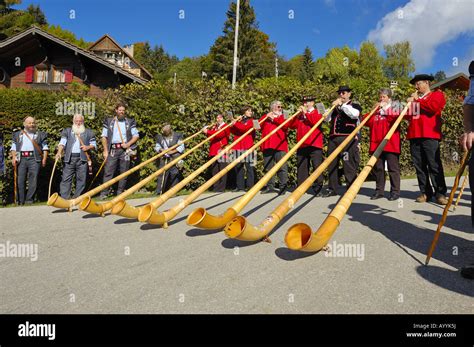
167, 143
40, 138
341, 123
109, 124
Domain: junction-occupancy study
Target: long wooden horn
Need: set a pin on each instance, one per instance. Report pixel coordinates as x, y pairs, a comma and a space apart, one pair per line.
239, 228
58, 202
152, 216
203, 219
462, 167
299, 236
461, 191
125, 210
91, 206
52, 175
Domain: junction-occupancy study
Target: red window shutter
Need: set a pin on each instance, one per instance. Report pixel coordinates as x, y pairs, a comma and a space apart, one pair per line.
29, 72
68, 76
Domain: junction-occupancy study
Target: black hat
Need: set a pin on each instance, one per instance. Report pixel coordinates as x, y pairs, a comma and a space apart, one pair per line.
471, 68
344, 89
308, 98
422, 77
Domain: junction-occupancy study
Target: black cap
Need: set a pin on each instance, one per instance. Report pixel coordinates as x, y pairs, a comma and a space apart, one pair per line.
471, 68
344, 89
308, 98
422, 77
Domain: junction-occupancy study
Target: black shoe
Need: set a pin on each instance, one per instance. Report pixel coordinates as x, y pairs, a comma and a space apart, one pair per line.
468, 272
317, 190
269, 190
283, 190
393, 197
329, 193
376, 196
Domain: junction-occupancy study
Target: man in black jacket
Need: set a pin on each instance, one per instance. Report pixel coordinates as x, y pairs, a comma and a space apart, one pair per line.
30, 152
343, 119
76, 143
119, 137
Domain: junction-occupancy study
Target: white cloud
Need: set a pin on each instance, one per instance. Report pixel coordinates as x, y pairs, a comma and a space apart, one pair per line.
426, 24
462, 63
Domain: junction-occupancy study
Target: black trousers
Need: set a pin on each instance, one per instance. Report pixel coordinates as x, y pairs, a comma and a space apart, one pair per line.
117, 160
240, 173
350, 161
270, 158
75, 167
28, 168
471, 185
305, 156
216, 167
393, 165
169, 178
427, 161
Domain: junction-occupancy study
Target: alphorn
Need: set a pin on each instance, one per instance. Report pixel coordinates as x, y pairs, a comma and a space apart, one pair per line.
461, 191
239, 228
202, 219
91, 206
58, 202
125, 210
462, 167
152, 216
52, 175
299, 236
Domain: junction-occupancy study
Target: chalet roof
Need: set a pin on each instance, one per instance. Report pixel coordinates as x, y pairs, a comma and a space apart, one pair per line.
112, 45
458, 81
34, 30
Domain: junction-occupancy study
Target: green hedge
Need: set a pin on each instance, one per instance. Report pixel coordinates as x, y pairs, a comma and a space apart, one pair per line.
188, 105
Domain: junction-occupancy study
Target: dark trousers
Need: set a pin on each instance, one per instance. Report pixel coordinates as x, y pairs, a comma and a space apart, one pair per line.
246, 163
427, 161
350, 161
270, 158
471, 185
305, 156
75, 167
216, 167
169, 178
27, 168
118, 160
392, 160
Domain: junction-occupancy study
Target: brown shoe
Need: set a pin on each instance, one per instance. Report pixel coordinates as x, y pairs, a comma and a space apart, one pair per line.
441, 200
422, 198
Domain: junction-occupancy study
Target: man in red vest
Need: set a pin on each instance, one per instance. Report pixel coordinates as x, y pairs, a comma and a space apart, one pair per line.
311, 151
218, 143
379, 124
275, 147
424, 133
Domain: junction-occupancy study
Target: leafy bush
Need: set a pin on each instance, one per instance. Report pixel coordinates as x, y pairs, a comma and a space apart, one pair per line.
188, 106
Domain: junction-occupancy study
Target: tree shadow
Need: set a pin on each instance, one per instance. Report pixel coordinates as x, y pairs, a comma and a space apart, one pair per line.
447, 279
455, 222
407, 235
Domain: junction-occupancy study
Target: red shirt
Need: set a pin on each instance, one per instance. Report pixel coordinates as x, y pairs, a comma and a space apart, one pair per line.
427, 124
278, 140
303, 124
379, 126
219, 141
240, 128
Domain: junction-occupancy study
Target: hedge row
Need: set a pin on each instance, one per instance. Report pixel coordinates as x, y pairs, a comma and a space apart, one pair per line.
188, 105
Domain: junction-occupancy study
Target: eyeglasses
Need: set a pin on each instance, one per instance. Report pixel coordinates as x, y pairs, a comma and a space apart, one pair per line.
342, 93
278, 106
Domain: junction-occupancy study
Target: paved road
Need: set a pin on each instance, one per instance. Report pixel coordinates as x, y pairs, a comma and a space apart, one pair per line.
89, 264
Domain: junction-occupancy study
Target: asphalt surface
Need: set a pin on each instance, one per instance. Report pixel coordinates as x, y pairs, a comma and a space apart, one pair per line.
90, 264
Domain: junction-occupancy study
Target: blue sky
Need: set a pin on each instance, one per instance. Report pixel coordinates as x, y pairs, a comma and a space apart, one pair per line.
441, 32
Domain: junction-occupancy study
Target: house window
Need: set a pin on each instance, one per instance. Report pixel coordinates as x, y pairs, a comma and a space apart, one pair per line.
59, 75
41, 76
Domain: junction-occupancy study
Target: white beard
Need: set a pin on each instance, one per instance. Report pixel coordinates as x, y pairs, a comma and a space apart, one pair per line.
78, 129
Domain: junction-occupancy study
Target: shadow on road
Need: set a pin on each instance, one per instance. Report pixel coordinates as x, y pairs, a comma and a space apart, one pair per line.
447, 279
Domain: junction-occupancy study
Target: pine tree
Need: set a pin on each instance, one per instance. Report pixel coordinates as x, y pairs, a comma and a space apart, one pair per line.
256, 55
